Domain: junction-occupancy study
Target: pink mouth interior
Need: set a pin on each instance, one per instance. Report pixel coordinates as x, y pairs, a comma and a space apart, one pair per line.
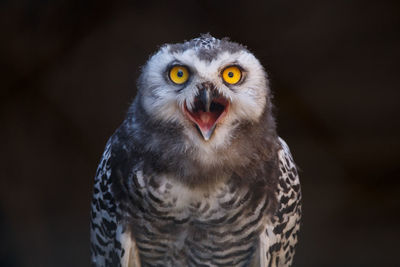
206, 120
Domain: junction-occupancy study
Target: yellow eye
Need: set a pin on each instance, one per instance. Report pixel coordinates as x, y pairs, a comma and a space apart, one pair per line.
232, 75
179, 74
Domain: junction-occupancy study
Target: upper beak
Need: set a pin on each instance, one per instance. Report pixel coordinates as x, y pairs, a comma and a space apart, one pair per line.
205, 98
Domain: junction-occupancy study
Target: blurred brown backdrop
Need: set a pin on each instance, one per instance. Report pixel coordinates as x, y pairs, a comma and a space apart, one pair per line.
68, 71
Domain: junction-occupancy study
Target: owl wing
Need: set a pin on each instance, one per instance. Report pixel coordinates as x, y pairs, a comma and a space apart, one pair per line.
278, 240
111, 243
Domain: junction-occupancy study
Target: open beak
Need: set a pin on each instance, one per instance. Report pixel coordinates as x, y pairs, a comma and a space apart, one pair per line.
209, 108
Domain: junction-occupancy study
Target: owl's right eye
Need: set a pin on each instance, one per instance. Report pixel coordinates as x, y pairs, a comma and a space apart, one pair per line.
179, 74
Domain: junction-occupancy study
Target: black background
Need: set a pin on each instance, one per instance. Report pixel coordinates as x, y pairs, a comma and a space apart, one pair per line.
68, 72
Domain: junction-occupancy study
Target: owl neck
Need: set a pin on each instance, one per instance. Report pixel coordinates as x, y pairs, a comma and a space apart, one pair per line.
250, 157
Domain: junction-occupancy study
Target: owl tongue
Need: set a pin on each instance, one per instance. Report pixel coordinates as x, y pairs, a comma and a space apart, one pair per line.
206, 118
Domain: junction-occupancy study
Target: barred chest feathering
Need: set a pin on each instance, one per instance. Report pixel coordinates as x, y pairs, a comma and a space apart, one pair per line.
172, 222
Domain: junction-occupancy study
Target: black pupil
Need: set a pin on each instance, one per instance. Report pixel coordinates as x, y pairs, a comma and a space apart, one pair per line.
179, 73
230, 74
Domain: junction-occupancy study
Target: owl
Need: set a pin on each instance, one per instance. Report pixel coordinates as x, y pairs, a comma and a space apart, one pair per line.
196, 175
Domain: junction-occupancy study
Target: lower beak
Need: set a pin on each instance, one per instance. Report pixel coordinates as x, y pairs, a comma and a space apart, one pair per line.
206, 133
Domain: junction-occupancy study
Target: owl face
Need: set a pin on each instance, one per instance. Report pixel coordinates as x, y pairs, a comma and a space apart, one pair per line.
206, 85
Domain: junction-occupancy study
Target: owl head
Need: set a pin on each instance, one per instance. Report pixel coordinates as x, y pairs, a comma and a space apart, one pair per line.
206, 86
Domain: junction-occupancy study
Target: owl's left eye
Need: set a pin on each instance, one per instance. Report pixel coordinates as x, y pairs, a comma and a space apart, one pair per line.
232, 75
179, 74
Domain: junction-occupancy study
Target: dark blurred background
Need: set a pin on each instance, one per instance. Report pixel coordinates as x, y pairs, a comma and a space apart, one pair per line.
68, 72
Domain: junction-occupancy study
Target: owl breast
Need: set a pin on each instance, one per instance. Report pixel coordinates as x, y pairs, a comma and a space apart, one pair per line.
174, 225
